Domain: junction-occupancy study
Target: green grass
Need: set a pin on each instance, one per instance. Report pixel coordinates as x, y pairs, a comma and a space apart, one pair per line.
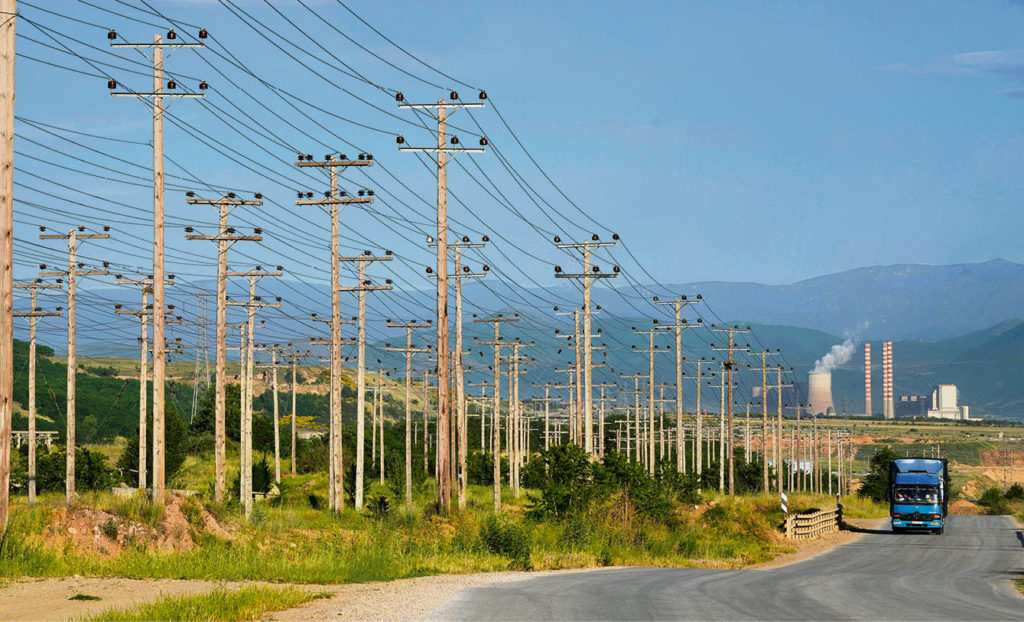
247, 603
296, 544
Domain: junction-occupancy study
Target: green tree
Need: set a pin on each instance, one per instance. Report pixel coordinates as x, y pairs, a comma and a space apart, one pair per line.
875, 485
175, 448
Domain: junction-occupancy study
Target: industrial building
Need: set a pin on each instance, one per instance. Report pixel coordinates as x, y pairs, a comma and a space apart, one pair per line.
943, 403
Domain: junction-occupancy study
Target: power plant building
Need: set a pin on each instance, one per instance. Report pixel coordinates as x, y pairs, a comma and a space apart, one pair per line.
943, 403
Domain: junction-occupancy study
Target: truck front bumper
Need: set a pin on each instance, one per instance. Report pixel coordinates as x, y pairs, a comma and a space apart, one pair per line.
916, 524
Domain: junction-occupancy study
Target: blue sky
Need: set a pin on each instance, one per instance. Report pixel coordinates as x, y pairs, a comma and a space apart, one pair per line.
742, 141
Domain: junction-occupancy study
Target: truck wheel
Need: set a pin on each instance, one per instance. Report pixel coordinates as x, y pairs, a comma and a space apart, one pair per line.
940, 530
897, 530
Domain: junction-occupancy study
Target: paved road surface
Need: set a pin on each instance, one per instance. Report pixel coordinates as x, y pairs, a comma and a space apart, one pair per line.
962, 575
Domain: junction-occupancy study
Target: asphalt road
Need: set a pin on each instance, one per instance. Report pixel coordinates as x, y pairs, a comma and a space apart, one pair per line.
962, 575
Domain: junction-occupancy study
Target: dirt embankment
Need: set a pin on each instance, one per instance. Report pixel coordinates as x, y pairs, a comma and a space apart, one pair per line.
108, 533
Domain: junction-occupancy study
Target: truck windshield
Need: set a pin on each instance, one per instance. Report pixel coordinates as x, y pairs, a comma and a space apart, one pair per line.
917, 495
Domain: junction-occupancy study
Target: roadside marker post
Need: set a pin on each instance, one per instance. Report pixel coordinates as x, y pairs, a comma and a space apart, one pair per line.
785, 510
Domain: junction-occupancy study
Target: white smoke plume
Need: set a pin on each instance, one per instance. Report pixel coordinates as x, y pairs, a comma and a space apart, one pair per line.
839, 355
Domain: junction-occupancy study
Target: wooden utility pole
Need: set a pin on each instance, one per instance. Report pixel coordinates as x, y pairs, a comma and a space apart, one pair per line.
225, 239
650, 351
764, 411
482, 401
589, 274
159, 337
143, 315
7, 39
574, 410
516, 446
295, 386
408, 350
699, 423
33, 315
779, 458
364, 286
332, 200
497, 344
252, 305
732, 331
601, 416
332, 446
547, 411
443, 382
426, 421
636, 392
274, 350
678, 326
72, 273
461, 422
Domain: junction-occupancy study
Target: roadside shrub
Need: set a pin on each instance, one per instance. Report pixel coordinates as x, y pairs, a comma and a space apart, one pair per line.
990, 497
507, 537
379, 506
567, 486
1015, 493
91, 471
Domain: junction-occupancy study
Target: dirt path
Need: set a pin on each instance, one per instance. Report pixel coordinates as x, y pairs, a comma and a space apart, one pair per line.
403, 600
50, 599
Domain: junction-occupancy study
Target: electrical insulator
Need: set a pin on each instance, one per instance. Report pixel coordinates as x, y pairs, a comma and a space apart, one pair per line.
190, 194
487, 268
258, 195
465, 238
615, 236
171, 35
203, 34
369, 156
232, 195
483, 94
558, 240
558, 269
483, 141
399, 97
203, 85
111, 84
400, 139
485, 239
455, 140
112, 34
171, 85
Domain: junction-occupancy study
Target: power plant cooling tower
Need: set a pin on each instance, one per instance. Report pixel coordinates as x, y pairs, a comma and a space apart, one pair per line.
819, 392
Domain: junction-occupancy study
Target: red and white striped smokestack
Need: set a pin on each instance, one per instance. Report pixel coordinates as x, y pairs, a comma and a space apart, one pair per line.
892, 412
887, 402
867, 379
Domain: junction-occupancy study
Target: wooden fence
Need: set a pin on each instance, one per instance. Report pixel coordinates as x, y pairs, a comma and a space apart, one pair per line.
809, 526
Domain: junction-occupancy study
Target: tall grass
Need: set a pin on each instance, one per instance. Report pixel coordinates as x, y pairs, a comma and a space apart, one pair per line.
247, 603
296, 543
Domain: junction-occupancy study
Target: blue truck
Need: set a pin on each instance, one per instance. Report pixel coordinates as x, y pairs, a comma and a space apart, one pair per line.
918, 494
